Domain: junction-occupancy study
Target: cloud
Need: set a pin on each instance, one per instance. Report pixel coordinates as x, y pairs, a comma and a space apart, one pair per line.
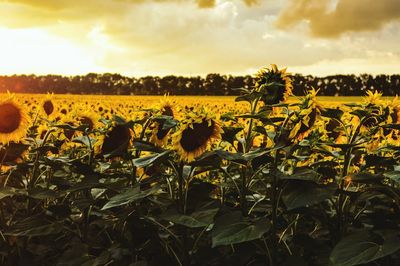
330, 19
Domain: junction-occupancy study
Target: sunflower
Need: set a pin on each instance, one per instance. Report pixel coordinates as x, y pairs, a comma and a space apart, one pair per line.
307, 116
195, 134
159, 135
276, 85
13, 121
373, 98
89, 118
48, 105
117, 140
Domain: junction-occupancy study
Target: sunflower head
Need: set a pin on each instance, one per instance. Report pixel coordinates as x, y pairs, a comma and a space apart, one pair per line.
373, 98
91, 119
116, 140
196, 133
48, 105
276, 85
394, 111
13, 121
307, 115
159, 135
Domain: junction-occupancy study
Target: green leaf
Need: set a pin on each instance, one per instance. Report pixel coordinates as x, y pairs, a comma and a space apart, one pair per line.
229, 134
34, 226
393, 175
85, 140
145, 146
304, 193
248, 97
197, 219
151, 159
167, 121
332, 113
128, 196
42, 193
232, 228
10, 191
365, 177
364, 247
302, 174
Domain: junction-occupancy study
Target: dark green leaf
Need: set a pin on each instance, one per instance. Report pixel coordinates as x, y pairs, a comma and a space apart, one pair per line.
364, 247
231, 229
128, 196
151, 159
304, 193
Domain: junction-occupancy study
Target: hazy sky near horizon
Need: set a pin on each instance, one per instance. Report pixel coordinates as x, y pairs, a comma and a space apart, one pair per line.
196, 37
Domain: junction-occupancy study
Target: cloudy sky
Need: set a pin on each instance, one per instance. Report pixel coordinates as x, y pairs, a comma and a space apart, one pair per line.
196, 37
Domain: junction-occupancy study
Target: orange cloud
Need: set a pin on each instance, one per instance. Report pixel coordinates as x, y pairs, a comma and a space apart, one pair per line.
329, 20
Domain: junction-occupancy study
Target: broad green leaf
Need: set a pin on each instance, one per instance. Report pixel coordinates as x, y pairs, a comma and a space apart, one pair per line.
151, 159
128, 196
332, 113
304, 193
231, 229
365, 177
10, 191
303, 174
364, 247
34, 226
197, 219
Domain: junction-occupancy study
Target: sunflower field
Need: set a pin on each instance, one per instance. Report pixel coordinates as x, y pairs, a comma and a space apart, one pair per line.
267, 178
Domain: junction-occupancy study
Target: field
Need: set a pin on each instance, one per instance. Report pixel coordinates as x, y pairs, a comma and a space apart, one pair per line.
259, 179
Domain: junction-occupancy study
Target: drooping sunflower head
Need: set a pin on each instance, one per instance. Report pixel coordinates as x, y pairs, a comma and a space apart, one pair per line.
195, 135
276, 85
48, 105
14, 121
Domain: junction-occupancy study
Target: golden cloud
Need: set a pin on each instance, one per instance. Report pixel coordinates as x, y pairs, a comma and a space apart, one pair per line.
330, 19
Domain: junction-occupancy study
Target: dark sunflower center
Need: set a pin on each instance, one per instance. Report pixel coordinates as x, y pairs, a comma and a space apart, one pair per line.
48, 107
69, 133
167, 110
87, 121
10, 118
117, 139
198, 136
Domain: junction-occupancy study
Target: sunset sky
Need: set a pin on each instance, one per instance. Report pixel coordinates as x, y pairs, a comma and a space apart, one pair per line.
196, 37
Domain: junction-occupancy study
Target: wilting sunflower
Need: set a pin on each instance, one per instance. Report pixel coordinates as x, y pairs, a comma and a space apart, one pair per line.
13, 121
195, 134
47, 105
276, 85
159, 135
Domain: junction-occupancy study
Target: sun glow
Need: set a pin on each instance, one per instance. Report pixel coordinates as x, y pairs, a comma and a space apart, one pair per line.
25, 51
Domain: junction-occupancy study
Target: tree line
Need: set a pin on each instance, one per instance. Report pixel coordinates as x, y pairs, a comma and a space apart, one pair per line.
212, 84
